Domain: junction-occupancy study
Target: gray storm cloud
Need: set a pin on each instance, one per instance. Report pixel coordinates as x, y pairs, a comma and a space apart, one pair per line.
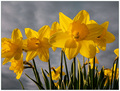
35, 14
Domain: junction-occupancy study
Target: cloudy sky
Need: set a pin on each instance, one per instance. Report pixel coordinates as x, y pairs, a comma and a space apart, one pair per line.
35, 14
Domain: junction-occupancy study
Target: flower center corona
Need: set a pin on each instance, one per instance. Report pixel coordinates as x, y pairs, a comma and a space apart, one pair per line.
33, 43
79, 31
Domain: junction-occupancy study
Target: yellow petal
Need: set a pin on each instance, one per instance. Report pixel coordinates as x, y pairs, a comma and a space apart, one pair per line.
54, 48
95, 30
105, 25
30, 33
7, 54
16, 35
64, 21
44, 32
59, 68
92, 22
70, 43
96, 60
19, 75
31, 55
43, 54
116, 51
5, 39
82, 16
59, 39
72, 52
45, 43
56, 77
6, 60
97, 50
18, 54
109, 37
88, 48
101, 43
63, 73
24, 46
55, 26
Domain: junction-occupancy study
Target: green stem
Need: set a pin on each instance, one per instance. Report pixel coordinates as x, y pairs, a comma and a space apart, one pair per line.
21, 84
93, 72
84, 67
74, 73
66, 67
36, 73
50, 74
112, 75
61, 69
114, 84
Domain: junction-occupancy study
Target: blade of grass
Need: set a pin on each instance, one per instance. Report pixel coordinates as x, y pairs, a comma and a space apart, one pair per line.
39, 85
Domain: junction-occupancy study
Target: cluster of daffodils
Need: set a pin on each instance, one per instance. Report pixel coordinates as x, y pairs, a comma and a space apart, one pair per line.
73, 36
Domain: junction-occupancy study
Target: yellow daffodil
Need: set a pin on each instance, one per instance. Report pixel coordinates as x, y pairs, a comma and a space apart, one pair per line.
12, 47
108, 72
56, 73
54, 28
105, 37
37, 43
116, 51
77, 35
17, 66
57, 84
91, 62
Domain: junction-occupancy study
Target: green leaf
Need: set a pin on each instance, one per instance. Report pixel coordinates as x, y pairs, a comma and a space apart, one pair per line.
70, 84
65, 80
50, 74
92, 74
79, 74
107, 84
101, 77
39, 85
102, 83
84, 67
116, 84
115, 80
21, 84
36, 73
45, 80
81, 80
66, 67
61, 69
74, 72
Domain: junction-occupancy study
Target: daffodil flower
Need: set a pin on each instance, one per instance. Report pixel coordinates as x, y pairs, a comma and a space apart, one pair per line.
56, 73
17, 66
91, 62
55, 28
77, 35
108, 72
37, 43
57, 84
105, 37
12, 47
116, 51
